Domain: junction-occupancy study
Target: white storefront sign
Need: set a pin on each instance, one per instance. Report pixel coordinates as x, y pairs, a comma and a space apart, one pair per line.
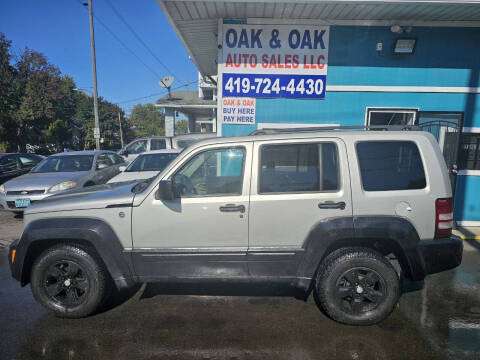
238, 111
274, 61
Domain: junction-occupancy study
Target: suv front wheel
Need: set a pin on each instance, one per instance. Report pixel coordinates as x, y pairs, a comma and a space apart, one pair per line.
69, 281
357, 286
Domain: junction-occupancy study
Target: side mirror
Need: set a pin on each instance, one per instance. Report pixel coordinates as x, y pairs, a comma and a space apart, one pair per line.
122, 168
165, 190
101, 166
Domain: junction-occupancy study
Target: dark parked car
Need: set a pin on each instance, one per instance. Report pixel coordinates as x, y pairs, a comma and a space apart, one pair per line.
13, 165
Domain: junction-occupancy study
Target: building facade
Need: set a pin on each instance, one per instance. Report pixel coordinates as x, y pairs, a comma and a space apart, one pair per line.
357, 63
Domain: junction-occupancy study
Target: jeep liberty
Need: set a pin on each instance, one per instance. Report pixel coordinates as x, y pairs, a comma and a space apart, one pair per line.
345, 215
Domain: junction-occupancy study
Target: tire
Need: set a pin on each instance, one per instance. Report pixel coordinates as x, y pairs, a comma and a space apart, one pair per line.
357, 286
69, 281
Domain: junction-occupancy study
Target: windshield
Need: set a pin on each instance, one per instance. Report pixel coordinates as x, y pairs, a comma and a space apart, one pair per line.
151, 162
65, 163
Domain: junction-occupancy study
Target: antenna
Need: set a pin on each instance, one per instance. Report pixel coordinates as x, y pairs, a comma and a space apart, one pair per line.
166, 82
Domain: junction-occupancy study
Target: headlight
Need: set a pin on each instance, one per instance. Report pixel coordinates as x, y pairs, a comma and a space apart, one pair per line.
2, 189
62, 186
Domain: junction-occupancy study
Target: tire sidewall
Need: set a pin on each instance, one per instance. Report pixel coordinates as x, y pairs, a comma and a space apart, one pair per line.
87, 264
327, 283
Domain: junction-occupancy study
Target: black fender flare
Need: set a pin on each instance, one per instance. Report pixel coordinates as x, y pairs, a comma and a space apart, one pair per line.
85, 231
387, 234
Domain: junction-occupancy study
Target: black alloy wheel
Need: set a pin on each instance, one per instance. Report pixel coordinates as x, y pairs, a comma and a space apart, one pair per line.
66, 283
69, 280
360, 290
357, 286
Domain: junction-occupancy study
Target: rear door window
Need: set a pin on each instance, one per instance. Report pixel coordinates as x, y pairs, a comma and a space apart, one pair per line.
390, 165
299, 168
158, 144
9, 162
137, 147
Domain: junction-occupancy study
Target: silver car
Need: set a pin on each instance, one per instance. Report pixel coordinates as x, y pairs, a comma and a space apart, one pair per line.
57, 173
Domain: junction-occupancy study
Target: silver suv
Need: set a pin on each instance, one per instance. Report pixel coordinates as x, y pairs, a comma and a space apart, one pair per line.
347, 214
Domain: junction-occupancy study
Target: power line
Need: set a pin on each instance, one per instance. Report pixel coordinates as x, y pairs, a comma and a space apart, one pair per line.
122, 19
156, 94
122, 43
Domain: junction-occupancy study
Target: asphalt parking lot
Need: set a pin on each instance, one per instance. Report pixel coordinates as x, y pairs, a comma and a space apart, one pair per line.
442, 321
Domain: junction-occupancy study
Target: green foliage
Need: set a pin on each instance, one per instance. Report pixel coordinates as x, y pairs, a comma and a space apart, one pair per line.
59, 133
181, 127
147, 120
8, 100
39, 106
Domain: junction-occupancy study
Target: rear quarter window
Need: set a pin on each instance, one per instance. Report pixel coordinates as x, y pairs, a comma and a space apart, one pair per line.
390, 165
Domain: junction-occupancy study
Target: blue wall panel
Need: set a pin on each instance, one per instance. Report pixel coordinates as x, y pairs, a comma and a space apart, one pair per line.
348, 108
467, 198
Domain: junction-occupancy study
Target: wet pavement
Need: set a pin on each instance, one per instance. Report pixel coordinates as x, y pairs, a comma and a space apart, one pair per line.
160, 322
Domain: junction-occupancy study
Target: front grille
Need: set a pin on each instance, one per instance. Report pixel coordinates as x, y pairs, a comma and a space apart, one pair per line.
11, 204
26, 192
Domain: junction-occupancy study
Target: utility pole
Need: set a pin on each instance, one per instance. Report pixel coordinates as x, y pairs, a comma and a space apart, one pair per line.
96, 130
121, 131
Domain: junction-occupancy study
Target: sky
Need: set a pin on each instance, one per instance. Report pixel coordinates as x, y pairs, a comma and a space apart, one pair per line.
60, 30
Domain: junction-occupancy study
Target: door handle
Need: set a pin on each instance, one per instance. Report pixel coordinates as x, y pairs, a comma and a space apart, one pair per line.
332, 205
232, 208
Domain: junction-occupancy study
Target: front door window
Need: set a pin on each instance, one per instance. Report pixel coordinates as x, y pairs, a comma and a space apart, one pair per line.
211, 173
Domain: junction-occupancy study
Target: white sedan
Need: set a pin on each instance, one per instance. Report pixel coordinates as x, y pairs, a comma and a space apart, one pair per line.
146, 165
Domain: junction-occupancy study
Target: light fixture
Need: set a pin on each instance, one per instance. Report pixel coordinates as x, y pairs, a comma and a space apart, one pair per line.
397, 29
404, 46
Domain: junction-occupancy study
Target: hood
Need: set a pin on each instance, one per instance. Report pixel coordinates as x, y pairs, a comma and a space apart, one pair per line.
39, 181
134, 175
93, 197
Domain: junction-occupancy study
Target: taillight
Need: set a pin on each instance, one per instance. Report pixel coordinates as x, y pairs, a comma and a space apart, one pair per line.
443, 217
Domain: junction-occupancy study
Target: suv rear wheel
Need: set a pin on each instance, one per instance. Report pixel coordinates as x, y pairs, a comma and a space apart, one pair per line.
357, 286
68, 281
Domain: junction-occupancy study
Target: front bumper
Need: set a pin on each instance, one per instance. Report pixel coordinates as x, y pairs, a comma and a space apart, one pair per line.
7, 202
440, 254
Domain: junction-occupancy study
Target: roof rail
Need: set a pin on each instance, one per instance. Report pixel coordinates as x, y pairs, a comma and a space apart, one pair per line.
335, 128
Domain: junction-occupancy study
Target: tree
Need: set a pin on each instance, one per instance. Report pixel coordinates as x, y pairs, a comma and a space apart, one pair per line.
109, 125
8, 100
39, 106
147, 120
181, 127
59, 133
39, 90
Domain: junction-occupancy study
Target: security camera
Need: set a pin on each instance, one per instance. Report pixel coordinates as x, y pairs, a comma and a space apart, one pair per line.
397, 29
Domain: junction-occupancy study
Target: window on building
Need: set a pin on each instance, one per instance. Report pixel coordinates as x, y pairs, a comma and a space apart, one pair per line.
469, 157
299, 168
390, 165
386, 116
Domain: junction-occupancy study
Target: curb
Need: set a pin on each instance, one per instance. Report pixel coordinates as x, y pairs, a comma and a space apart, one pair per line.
467, 237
